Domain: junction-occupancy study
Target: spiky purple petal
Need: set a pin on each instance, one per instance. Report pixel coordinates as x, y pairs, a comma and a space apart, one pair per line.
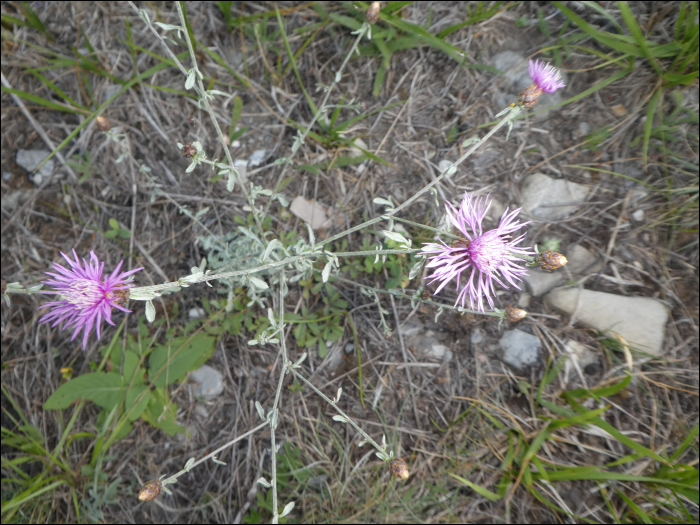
478, 259
86, 298
545, 76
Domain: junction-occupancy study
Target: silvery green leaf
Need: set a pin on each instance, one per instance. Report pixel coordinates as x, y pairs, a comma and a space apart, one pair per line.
312, 239
284, 289
258, 283
338, 77
144, 16
34, 288
274, 418
299, 361
383, 456
279, 161
273, 244
287, 509
150, 311
326, 273
264, 482
503, 112
218, 462
191, 167
189, 464
232, 176
470, 141
282, 199
439, 312
341, 419
273, 341
397, 237
338, 394
271, 317
510, 128
385, 202
167, 490
217, 92
415, 270
201, 212
253, 342
189, 83
203, 262
168, 27
260, 410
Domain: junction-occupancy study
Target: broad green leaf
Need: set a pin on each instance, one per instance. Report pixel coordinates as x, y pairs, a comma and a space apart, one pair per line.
137, 399
102, 388
170, 362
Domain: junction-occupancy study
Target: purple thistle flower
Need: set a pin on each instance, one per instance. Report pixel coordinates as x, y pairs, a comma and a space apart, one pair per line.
545, 76
86, 298
477, 258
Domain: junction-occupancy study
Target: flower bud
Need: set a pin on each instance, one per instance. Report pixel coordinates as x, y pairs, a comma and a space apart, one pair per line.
398, 468
515, 314
121, 297
529, 96
103, 124
188, 150
549, 260
151, 490
372, 13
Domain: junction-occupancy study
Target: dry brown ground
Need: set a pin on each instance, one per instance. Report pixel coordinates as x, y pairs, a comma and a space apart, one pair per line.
414, 138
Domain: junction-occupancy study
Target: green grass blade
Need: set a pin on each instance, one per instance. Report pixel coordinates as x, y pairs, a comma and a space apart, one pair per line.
686, 443
31, 493
292, 61
43, 102
422, 35
603, 12
56, 89
649, 124
34, 20
475, 19
635, 508
491, 496
638, 36
106, 103
235, 116
615, 433
621, 43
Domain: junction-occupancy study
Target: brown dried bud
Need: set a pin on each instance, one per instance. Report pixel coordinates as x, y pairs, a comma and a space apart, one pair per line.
425, 295
529, 96
398, 468
189, 151
121, 296
549, 260
151, 490
103, 124
3, 285
372, 13
514, 314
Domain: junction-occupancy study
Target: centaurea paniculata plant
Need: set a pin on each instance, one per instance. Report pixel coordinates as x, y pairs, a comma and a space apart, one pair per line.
476, 261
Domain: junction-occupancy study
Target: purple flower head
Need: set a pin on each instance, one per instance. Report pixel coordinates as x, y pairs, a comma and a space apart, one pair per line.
86, 299
545, 76
478, 258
